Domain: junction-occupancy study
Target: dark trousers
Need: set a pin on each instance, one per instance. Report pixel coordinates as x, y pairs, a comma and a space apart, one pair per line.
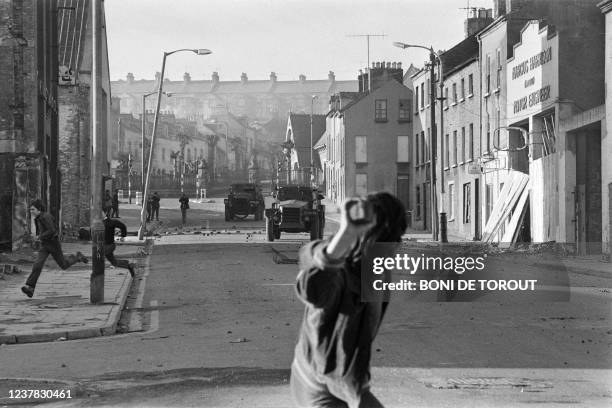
184, 215
53, 248
109, 253
115, 212
155, 213
309, 393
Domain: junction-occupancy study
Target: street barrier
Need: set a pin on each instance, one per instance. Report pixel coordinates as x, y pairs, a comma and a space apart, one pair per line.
138, 198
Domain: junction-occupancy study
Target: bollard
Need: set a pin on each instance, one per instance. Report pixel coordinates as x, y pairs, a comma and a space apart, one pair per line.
96, 288
443, 234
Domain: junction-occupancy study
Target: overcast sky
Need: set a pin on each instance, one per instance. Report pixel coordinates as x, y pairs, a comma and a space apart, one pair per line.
289, 37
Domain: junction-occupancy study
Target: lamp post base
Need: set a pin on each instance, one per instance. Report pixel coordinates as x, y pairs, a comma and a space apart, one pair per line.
443, 228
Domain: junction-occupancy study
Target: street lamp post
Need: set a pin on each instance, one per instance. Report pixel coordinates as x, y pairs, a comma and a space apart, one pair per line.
200, 51
433, 56
311, 141
142, 135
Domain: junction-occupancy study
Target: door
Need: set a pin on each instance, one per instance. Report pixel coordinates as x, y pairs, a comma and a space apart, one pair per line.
403, 189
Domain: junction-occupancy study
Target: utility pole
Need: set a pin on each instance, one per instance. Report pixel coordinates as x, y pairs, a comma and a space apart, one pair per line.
96, 290
367, 36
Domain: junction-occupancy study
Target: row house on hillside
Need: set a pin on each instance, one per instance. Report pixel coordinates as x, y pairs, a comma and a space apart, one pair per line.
367, 136
266, 102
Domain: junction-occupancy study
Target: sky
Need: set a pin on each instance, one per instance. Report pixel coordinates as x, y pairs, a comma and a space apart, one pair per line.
288, 37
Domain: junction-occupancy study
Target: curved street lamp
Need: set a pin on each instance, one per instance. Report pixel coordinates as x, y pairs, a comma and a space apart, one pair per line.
197, 51
433, 57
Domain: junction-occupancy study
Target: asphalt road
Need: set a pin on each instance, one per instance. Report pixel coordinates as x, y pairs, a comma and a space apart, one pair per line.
213, 323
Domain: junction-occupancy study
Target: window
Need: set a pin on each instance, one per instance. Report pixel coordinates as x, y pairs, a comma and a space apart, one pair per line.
188, 154
361, 149
498, 124
404, 110
416, 150
402, 149
447, 150
462, 88
427, 145
418, 202
428, 90
467, 192
455, 147
471, 84
488, 75
451, 201
463, 145
361, 184
488, 146
380, 110
164, 154
454, 92
423, 147
499, 69
416, 99
130, 146
471, 143
422, 96
446, 97
488, 200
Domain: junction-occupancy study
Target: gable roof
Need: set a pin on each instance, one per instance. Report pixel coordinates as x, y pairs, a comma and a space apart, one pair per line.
300, 132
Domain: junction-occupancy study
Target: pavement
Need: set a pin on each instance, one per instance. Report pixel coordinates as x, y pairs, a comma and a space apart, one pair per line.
61, 310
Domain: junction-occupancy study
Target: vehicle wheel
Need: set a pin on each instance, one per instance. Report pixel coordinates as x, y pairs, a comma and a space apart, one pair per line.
277, 232
228, 214
270, 229
315, 229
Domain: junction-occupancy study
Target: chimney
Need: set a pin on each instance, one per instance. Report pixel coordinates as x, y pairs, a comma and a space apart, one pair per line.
388, 65
331, 76
243, 78
157, 77
215, 78
130, 78
499, 8
273, 77
186, 77
302, 78
479, 19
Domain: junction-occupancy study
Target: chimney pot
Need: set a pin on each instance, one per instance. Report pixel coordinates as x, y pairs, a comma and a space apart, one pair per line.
186, 77
130, 77
389, 65
244, 78
331, 76
302, 78
273, 76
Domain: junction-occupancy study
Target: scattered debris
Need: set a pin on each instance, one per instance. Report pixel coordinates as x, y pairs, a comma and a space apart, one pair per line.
240, 340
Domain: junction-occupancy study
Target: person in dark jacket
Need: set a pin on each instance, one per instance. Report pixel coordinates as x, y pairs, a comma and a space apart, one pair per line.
107, 205
115, 208
155, 199
184, 200
109, 244
331, 365
48, 240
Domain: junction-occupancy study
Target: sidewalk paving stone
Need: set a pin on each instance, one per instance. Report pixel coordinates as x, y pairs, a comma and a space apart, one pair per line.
60, 309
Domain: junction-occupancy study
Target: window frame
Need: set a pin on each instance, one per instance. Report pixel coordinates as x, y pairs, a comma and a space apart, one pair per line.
383, 110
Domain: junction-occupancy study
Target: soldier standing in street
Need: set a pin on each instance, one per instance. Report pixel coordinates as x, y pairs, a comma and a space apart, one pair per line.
155, 206
184, 200
109, 244
47, 236
115, 212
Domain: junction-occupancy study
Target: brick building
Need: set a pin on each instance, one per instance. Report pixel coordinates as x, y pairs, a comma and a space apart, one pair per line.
74, 101
28, 115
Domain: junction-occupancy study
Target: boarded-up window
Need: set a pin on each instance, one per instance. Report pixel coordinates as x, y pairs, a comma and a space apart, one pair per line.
361, 184
402, 149
361, 149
